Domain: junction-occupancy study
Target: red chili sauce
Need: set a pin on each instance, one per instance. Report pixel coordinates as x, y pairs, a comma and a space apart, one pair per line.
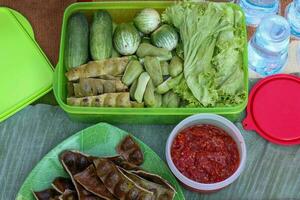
205, 153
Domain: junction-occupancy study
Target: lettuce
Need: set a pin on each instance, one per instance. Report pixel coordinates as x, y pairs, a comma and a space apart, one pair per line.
212, 44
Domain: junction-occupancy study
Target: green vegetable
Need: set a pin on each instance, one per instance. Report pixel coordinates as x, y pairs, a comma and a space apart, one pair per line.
77, 41
146, 40
212, 53
126, 39
179, 50
158, 100
152, 66
164, 68
135, 104
176, 66
170, 100
114, 53
101, 36
141, 87
147, 20
149, 96
133, 89
168, 84
146, 49
165, 37
132, 72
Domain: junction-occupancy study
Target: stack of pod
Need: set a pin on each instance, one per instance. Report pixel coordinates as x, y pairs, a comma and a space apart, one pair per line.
133, 64
109, 178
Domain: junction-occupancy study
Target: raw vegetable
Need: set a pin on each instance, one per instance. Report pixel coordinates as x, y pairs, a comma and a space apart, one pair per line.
101, 36
170, 100
146, 40
179, 50
126, 39
169, 84
141, 87
212, 53
149, 96
164, 68
132, 72
152, 66
133, 89
146, 49
77, 41
176, 66
158, 100
103, 100
147, 20
165, 37
130, 150
92, 87
112, 66
135, 104
115, 53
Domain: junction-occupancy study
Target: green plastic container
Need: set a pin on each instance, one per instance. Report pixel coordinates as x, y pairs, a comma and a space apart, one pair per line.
25, 72
123, 12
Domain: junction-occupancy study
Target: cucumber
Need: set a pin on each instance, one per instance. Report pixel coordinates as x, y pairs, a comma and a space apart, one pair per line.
77, 41
101, 36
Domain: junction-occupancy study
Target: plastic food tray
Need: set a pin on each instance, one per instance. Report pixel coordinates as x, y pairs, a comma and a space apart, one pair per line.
124, 11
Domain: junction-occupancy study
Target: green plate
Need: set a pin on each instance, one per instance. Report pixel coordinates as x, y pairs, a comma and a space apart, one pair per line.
98, 140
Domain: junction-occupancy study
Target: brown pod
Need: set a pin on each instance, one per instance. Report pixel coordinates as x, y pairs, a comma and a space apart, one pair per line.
130, 150
90, 181
119, 184
46, 194
160, 189
61, 184
75, 162
68, 195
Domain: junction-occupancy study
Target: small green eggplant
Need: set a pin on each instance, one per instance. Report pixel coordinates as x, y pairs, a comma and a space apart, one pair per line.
165, 37
147, 20
126, 39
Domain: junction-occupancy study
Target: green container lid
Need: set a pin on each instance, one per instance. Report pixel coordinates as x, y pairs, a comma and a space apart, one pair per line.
25, 72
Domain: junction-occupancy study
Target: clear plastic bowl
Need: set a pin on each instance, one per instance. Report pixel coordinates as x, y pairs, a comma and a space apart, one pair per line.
222, 123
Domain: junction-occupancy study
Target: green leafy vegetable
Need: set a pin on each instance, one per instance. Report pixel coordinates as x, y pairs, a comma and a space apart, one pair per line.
212, 43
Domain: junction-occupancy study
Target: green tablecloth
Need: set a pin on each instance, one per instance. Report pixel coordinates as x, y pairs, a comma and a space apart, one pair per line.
272, 172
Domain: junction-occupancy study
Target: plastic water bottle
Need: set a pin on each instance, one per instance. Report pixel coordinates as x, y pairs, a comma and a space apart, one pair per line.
268, 48
292, 14
255, 10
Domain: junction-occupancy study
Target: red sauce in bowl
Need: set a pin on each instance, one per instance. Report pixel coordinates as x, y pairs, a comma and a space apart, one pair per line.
205, 153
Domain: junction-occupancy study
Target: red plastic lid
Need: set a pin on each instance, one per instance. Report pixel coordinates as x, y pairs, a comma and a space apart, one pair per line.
274, 109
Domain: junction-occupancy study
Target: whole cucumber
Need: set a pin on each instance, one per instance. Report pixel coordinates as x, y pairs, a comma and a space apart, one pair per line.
77, 41
101, 36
